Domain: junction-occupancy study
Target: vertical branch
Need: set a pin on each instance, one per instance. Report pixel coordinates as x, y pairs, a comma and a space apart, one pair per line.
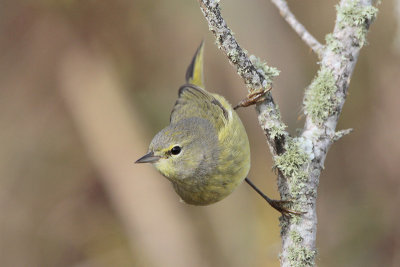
300, 160
323, 102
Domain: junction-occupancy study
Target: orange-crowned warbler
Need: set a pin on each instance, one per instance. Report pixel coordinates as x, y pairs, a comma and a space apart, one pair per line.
204, 151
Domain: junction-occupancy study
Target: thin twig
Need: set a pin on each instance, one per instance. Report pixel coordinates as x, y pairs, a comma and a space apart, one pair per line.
340, 134
298, 27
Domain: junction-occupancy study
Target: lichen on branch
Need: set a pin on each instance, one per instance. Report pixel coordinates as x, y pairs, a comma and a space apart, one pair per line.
320, 99
354, 14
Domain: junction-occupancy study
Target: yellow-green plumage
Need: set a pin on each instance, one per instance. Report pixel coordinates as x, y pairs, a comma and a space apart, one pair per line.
214, 152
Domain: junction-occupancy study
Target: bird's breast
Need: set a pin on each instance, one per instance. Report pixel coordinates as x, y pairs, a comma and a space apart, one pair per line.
233, 164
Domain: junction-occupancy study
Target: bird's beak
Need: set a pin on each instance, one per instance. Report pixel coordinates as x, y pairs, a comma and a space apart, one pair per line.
148, 158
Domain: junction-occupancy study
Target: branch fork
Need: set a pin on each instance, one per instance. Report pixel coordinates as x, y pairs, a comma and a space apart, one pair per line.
300, 160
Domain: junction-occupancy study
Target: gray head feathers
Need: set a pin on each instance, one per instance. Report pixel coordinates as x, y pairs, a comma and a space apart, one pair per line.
198, 144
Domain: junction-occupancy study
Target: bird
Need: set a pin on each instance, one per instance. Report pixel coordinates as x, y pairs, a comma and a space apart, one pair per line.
204, 151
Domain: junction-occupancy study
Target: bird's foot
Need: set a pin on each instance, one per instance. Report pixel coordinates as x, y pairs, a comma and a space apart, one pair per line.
279, 205
253, 98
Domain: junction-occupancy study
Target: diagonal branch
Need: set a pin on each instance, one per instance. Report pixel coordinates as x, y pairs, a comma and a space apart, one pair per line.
298, 27
256, 75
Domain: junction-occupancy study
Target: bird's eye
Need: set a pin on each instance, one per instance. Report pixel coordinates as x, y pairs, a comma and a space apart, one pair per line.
175, 150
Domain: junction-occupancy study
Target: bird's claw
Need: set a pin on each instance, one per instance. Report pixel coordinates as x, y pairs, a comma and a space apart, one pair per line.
279, 206
253, 98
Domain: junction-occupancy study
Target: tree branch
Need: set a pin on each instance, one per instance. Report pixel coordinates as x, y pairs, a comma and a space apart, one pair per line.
256, 75
323, 102
298, 27
300, 160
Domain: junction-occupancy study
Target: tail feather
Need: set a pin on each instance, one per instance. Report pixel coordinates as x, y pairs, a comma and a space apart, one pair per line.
194, 73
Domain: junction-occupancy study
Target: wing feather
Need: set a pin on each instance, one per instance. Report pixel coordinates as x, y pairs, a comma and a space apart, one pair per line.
194, 101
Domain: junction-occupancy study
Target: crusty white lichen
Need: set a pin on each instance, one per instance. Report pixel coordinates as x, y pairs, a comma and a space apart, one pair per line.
270, 118
320, 100
295, 236
333, 44
300, 256
292, 163
268, 72
354, 14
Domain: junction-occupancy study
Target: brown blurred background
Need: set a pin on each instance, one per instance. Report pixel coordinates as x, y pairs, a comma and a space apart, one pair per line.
84, 86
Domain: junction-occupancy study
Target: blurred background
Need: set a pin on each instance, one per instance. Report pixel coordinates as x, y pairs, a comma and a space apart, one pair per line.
85, 85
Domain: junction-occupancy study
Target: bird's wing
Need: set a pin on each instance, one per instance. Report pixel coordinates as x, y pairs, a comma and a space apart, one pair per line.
194, 101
